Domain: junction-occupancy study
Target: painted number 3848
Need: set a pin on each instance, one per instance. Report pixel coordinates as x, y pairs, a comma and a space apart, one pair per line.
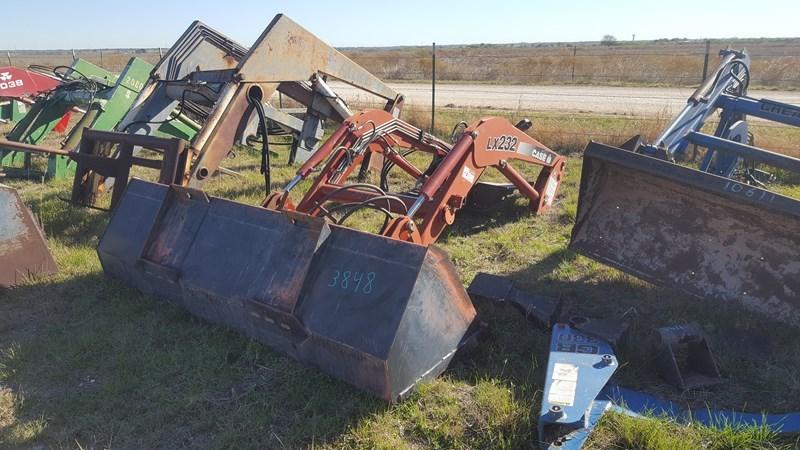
357, 282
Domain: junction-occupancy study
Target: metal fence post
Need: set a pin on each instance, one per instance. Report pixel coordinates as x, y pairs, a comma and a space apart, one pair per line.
695, 150
8, 55
433, 89
574, 52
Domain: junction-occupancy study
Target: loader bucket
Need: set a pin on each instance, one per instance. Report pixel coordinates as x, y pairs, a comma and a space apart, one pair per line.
687, 229
375, 312
23, 248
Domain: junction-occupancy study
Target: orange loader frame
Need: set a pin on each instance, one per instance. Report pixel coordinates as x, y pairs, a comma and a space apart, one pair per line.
420, 217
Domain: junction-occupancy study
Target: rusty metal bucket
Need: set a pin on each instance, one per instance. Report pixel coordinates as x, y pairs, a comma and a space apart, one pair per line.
375, 312
700, 233
23, 248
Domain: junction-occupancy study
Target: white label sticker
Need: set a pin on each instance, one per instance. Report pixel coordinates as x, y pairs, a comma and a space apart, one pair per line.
566, 372
562, 393
468, 175
565, 381
550, 191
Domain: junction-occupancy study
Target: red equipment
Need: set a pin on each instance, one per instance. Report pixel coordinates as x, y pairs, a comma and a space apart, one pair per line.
443, 187
23, 84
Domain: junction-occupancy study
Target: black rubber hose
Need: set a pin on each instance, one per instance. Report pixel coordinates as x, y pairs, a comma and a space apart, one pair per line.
262, 123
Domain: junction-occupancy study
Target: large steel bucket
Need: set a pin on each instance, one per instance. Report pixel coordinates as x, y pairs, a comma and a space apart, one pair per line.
375, 312
23, 248
680, 227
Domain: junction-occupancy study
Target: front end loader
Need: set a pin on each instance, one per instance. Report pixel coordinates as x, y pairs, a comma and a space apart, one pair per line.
226, 87
718, 231
380, 310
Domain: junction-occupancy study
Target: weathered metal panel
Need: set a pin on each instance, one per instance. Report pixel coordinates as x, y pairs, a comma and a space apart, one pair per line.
700, 233
23, 248
372, 298
299, 52
200, 47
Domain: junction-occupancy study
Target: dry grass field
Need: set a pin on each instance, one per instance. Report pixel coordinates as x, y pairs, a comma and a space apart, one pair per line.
672, 62
651, 63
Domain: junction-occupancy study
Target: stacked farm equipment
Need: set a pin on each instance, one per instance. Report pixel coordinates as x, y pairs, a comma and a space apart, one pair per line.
386, 310
382, 311
232, 91
101, 96
716, 231
210, 88
164, 103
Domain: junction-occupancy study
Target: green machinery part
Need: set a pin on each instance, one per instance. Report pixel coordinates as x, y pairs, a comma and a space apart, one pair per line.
104, 108
12, 111
180, 128
45, 114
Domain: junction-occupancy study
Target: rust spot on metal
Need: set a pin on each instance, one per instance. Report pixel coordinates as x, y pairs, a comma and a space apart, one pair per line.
23, 249
676, 226
230, 62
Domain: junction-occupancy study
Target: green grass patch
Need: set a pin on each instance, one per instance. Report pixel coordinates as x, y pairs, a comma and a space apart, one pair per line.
86, 362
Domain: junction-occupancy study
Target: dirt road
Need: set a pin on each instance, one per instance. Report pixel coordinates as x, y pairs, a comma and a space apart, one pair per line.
579, 99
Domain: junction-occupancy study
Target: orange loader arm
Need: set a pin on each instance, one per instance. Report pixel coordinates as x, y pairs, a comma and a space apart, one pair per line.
490, 142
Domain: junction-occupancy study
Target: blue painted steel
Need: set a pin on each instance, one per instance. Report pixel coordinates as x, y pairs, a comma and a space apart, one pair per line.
731, 76
578, 368
643, 403
746, 151
771, 110
725, 90
578, 393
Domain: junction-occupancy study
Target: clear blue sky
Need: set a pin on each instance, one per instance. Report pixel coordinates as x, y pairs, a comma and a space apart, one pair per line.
49, 24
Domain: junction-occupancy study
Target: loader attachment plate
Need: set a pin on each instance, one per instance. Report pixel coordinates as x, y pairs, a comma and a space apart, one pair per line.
23, 248
679, 227
375, 312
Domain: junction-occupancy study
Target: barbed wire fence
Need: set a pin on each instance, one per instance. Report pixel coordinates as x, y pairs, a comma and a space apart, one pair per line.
463, 72
520, 68
675, 66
